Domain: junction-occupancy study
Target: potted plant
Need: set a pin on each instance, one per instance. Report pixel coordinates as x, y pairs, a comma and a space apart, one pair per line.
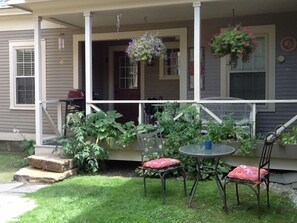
145, 48
236, 41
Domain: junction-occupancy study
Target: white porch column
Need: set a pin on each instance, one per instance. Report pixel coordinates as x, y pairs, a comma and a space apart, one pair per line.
197, 77
88, 59
38, 80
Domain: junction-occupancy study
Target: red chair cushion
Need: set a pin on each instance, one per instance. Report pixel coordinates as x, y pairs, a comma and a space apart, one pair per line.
161, 163
244, 172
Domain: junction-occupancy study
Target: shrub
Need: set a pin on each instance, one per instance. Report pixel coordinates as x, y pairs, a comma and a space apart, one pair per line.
187, 130
91, 135
29, 146
288, 137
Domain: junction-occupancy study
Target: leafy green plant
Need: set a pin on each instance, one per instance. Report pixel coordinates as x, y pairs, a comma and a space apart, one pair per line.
227, 130
182, 126
90, 136
289, 137
235, 41
247, 146
218, 132
29, 146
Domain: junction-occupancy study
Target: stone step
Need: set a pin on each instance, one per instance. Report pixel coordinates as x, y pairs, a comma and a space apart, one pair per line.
32, 175
52, 163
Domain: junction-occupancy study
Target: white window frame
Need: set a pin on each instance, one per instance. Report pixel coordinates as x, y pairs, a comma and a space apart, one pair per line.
263, 30
162, 76
13, 46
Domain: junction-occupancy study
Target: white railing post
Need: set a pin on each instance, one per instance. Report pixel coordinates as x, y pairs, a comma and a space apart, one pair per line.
38, 80
197, 22
254, 107
88, 59
59, 117
140, 114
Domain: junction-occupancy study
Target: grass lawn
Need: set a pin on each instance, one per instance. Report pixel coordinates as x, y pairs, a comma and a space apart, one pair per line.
118, 199
10, 162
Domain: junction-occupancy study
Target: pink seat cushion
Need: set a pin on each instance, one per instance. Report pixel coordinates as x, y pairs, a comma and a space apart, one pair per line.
161, 163
244, 172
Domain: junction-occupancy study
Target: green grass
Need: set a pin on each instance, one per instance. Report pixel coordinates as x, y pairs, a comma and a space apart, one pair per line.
10, 162
118, 199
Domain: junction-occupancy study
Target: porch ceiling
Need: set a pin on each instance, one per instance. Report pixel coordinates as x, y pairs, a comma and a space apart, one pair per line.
133, 11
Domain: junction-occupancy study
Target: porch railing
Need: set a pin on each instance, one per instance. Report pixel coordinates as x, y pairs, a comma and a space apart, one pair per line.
57, 126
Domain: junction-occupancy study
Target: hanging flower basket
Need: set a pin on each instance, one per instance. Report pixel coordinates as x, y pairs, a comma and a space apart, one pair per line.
236, 42
145, 48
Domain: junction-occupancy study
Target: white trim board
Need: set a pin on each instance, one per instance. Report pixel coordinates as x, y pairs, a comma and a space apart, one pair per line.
4, 136
15, 23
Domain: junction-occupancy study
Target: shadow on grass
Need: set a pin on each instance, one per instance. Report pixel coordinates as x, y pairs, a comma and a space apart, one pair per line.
118, 199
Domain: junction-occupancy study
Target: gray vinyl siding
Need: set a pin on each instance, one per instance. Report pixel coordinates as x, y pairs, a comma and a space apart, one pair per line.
59, 78
24, 120
156, 88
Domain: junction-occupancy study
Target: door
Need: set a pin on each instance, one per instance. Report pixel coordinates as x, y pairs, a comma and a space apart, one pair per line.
126, 87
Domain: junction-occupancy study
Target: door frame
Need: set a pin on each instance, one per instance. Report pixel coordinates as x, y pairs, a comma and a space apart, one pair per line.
111, 51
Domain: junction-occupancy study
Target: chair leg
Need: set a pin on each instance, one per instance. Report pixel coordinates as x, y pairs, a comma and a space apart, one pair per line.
267, 194
144, 181
237, 194
225, 198
163, 182
258, 198
144, 185
185, 185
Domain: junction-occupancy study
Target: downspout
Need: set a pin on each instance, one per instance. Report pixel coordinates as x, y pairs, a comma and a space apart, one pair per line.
197, 18
38, 80
88, 60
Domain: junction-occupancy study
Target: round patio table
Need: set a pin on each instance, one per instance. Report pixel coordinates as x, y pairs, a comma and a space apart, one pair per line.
199, 152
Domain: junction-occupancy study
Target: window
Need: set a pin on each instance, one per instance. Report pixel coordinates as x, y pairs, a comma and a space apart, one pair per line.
253, 80
247, 80
22, 84
170, 68
128, 74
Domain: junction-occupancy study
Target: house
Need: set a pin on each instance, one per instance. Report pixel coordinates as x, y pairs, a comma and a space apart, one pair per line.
49, 47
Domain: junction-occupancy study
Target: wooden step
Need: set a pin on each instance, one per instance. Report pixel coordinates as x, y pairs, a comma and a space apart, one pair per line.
52, 163
33, 175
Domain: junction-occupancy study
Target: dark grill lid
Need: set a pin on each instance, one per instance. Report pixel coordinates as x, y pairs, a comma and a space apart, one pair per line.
76, 93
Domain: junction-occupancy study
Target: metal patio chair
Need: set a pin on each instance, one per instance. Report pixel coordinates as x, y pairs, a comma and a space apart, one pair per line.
154, 162
253, 176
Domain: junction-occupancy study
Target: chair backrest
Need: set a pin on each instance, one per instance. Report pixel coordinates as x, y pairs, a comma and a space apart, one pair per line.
270, 138
150, 143
266, 150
